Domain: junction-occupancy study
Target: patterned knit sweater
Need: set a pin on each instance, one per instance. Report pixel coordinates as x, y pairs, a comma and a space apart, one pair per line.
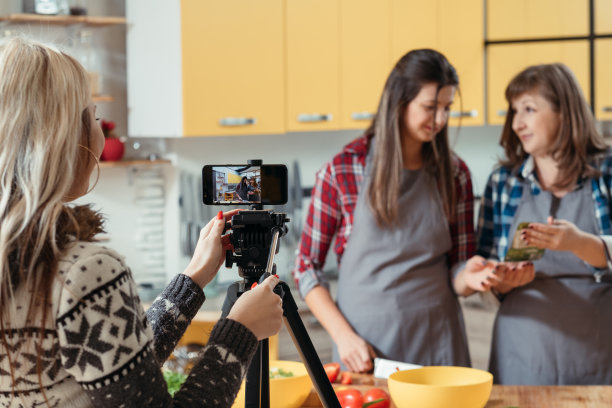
100, 349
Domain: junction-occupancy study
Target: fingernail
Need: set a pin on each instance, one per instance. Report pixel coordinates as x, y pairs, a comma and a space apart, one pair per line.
220, 215
484, 262
514, 268
277, 276
253, 285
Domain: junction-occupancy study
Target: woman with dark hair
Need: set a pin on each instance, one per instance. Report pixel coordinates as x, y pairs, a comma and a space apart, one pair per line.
400, 204
242, 189
553, 325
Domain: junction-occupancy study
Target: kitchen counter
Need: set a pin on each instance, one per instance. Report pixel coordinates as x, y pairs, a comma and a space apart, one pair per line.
503, 396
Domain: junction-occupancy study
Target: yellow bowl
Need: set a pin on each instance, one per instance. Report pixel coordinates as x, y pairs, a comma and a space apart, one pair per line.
435, 387
285, 392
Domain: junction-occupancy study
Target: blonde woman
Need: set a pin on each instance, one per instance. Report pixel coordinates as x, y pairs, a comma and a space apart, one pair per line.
72, 330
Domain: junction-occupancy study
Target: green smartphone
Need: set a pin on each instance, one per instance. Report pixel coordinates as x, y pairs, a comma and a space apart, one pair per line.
521, 251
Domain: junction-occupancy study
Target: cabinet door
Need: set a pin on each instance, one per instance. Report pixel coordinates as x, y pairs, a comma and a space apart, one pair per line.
461, 41
603, 16
512, 19
413, 25
603, 79
364, 59
233, 67
455, 29
312, 64
507, 60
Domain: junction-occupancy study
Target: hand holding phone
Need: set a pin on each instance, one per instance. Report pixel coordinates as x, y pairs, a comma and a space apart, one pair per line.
520, 250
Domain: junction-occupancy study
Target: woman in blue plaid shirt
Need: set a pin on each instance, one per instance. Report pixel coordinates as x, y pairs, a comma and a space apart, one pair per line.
554, 323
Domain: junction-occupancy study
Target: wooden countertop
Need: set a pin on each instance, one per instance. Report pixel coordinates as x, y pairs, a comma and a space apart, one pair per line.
504, 396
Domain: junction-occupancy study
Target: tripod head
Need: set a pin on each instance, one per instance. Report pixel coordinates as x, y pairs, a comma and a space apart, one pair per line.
255, 235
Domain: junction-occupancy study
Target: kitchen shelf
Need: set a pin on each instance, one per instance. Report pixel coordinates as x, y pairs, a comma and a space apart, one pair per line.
130, 163
62, 20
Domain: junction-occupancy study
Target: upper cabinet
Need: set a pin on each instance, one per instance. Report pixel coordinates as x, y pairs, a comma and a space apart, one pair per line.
603, 16
205, 67
507, 60
521, 19
603, 78
365, 59
455, 29
313, 100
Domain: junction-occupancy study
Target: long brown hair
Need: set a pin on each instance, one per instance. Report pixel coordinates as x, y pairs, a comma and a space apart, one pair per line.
44, 95
577, 141
411, 72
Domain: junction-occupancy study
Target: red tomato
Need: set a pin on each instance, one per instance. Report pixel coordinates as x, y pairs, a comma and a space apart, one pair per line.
349, 397
332, 370
375, 394
346, 378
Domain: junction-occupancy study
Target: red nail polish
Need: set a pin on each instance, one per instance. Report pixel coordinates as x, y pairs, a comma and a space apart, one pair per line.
253, 285
276, 276
220, 215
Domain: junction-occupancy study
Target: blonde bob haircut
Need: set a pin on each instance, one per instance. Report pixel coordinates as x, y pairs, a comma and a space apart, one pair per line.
44, 94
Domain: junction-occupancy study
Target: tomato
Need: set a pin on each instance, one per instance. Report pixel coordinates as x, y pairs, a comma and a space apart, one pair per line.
332, 370
349, 397
346, 378
375, 394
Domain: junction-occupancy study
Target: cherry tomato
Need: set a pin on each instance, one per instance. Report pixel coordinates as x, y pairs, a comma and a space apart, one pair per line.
349, 397
375, 394
346, 378
332, 370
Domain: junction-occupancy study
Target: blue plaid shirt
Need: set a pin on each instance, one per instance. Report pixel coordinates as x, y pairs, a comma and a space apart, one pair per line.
502, 197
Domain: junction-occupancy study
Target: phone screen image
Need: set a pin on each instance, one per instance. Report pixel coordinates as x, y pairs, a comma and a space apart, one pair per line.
521, 251
243, 184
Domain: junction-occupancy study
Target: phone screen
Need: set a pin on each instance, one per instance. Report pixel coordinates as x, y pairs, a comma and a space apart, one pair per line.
520, 251
244, 184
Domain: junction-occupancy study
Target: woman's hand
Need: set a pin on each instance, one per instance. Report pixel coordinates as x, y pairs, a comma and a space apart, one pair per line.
209, 253
356, 354
562, 235
557, 235
259, 309
512, 275
477, 276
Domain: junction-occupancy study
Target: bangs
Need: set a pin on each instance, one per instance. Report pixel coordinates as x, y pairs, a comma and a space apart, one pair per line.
538, 78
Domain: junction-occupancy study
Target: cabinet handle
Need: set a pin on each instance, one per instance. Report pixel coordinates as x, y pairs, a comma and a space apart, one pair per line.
314, 117
237, 121
607, 109
464, 114
362, 116
502, 112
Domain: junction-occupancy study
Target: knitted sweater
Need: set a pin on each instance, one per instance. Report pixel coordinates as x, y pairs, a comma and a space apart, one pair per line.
100, 349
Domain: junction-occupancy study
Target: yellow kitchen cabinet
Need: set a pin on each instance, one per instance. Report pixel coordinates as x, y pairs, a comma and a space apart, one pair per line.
603, 79
507, 60
312, 55
517, 19
364, 59
455, 29
205, 67
603, 16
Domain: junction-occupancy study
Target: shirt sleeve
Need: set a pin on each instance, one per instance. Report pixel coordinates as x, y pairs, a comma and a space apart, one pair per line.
462, 226
107, 346
323, 219
485, 236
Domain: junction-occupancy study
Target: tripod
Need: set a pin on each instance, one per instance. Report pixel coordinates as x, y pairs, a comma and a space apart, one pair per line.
257, 390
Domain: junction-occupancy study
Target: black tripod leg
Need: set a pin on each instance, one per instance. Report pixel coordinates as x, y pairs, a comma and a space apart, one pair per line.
306, 349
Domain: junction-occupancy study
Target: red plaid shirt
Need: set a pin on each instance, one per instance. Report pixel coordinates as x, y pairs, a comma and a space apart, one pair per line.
334, 196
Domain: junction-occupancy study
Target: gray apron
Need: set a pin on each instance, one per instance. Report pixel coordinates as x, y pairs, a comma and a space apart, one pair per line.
394, 286
556, 330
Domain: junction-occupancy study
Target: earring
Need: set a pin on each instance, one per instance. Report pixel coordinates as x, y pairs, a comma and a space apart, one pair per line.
97, 167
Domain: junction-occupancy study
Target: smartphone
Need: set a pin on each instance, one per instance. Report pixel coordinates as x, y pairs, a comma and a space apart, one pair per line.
520, 251
244, 184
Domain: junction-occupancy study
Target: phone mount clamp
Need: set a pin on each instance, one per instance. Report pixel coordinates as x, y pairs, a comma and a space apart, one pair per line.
255, 237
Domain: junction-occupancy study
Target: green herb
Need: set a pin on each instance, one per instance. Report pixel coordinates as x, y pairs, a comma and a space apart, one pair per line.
280, 373
174, 380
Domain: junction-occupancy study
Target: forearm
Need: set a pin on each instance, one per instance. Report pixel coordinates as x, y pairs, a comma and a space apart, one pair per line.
324, 308
591, 249
171, 314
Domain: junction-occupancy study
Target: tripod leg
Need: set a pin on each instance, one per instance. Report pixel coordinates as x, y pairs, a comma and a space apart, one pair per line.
306, 349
